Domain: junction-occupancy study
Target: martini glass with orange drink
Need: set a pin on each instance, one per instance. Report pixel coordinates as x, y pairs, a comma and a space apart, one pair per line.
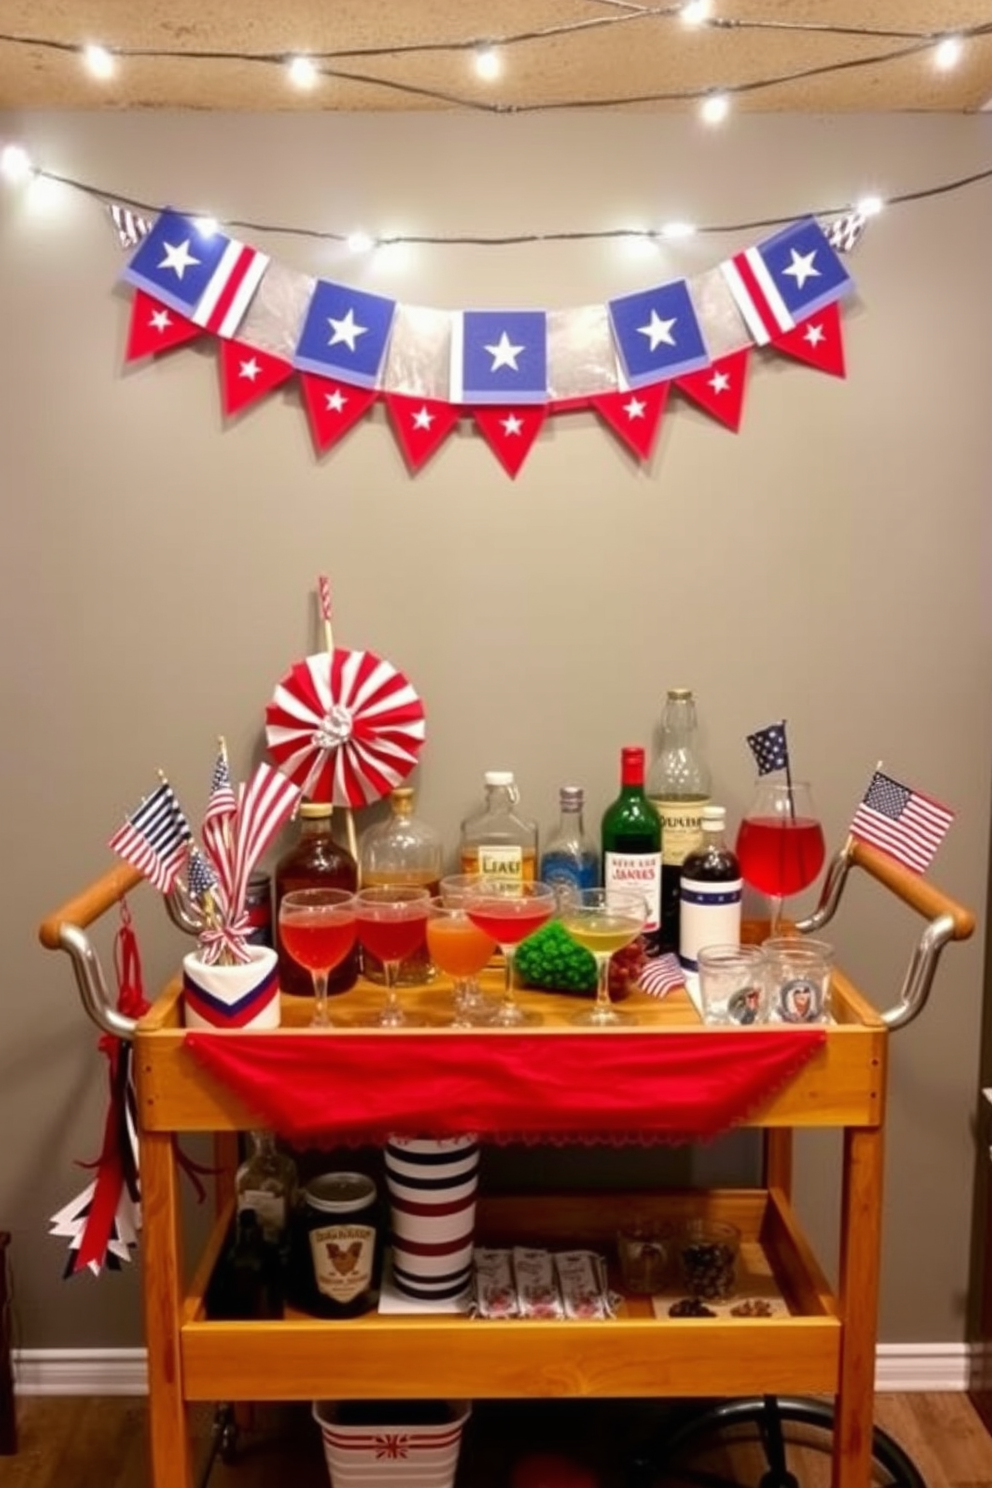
392, 925
508, 910
461, 950
603, 921
317, 927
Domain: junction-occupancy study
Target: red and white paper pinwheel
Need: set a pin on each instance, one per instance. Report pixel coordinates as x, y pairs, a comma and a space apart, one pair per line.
346, 726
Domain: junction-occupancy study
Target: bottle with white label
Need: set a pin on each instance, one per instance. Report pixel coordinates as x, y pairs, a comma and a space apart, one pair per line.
631, 837
709, 892
266, 1182
495, 840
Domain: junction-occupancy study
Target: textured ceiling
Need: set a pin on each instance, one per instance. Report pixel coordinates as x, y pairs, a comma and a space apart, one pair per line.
638, 54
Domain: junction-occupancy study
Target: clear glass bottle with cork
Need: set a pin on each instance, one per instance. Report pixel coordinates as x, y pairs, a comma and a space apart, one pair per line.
495, 840
315, 861
678, 789
401, 850
266, 1182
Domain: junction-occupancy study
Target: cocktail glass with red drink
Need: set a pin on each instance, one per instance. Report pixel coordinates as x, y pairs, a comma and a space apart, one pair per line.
317, 928
508, 910
780, 843
461, 950
392, 925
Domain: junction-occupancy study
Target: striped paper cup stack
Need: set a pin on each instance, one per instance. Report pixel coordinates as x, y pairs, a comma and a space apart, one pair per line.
432, 1186
391, 1445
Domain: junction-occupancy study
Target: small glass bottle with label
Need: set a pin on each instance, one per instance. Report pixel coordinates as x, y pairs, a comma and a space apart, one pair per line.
496, 841
678, 789
569, 859
709, 892
341, 1219
266, 1183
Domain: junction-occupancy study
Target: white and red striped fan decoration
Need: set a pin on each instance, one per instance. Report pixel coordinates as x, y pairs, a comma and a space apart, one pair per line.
346, 726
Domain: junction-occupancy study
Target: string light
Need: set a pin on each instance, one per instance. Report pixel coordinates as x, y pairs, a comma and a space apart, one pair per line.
207, 226
945, 50
15, 164
360, 242
948, 53
487, 64
302, 73
99, 61
714, 108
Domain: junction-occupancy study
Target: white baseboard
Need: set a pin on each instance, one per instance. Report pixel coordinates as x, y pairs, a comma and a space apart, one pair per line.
899, 1366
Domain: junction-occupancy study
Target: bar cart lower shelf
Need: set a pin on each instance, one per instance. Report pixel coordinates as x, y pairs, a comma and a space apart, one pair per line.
825, 1344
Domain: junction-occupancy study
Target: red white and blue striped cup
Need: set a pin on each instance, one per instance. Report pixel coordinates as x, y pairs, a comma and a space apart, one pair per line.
432, 1189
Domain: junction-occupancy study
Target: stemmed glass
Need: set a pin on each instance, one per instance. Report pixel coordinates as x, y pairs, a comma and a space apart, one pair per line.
462, 950
392, 924
780, 843
317, 928
603, 921
508, 911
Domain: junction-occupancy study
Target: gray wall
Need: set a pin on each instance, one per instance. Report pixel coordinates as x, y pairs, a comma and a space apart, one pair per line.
828, 563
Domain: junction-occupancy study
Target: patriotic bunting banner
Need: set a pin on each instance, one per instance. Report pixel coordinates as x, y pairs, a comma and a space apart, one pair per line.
345, 349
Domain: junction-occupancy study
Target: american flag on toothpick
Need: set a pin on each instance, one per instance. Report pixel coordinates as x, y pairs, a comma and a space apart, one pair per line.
901, 822
661, 974
770, 748
155, 838
216, 828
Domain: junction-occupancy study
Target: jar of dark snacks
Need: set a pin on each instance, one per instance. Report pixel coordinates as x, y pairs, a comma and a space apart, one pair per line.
708, 1252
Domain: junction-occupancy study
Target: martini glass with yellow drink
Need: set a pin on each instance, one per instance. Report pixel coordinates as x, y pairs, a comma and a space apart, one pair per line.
603, 921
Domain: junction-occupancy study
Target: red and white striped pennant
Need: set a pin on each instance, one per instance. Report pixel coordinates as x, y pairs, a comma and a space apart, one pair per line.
264, 805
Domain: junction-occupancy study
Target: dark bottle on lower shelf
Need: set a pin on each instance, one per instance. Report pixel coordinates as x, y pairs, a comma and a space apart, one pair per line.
249, 1280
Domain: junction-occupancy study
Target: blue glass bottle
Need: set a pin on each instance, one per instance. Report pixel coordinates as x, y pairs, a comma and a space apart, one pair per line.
570, 859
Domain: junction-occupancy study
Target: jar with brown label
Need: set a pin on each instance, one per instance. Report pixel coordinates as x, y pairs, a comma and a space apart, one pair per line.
341, 1217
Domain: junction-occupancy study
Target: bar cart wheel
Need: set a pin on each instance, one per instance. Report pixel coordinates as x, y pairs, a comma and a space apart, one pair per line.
672, 1461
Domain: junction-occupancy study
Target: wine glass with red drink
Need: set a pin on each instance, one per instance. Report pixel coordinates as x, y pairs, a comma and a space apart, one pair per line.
392, 925
508, 910
317, 928
780, 842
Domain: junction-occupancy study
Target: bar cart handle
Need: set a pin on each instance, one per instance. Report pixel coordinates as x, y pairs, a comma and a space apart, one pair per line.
65, 930
947, 920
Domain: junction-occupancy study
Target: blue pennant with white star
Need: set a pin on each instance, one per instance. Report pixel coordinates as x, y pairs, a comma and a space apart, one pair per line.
176, 261
499, 356
657, 333
345, 334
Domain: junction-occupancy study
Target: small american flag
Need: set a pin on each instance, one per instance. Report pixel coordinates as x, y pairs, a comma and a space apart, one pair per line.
200, 877
129, 226
769, 747
155, 838
264, 804
222, 807
904, 824
661, 974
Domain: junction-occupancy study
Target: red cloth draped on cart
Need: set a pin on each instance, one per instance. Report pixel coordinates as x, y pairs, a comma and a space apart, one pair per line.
508, 1087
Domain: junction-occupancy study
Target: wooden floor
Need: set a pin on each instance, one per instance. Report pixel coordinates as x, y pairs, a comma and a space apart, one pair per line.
100, 1443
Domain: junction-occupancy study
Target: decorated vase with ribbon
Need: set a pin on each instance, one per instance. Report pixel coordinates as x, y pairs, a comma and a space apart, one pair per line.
242, 995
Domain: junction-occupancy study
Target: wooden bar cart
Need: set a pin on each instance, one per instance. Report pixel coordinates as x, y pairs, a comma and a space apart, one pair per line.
826, 1343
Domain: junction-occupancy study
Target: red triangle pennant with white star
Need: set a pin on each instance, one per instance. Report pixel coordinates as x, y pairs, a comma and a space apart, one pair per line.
635, 415
247, 374
332, 407
817, 340
421, 425
154, 327
511, 432
719, 388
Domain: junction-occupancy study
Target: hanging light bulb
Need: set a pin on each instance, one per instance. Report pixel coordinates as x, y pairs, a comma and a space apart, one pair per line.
15, 163
302, 73
714, 108
948, 53
677, 230
360, 242
488, 64
695, 12
99, 61
869, 206
207, 226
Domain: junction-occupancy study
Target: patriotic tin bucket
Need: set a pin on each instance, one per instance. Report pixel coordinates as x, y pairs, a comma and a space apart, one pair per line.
400, 1444
240, 996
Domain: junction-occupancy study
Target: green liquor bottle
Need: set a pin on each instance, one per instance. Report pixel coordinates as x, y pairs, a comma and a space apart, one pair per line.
631, 838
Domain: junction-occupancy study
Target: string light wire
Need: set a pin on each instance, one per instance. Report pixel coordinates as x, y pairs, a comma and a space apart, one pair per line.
107, 198
912, 43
